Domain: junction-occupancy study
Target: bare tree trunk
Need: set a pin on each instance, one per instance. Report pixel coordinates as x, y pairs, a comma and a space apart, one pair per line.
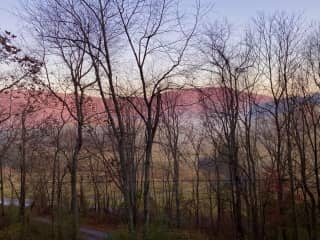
53, 189
316, 165
211, 202
218, 199
23, 168
73, 173
146, 184
197, 192
280, 200
290, 160
176, 186
300, 125
1, 187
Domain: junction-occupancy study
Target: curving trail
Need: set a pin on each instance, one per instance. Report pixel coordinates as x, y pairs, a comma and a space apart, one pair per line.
85, 232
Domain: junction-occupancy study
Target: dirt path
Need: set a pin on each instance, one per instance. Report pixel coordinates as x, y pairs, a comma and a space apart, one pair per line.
85, 232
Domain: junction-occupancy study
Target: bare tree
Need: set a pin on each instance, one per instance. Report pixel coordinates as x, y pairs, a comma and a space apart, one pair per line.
146, 45
18, 69
52, 29
99, 25
228, 63
171, 121
279, 41
312, 59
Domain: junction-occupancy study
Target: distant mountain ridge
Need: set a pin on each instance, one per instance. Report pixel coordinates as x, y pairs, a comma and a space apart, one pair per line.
43, 106
269, 107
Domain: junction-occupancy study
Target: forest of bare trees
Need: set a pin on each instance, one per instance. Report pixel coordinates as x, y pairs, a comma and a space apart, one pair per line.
139, 116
